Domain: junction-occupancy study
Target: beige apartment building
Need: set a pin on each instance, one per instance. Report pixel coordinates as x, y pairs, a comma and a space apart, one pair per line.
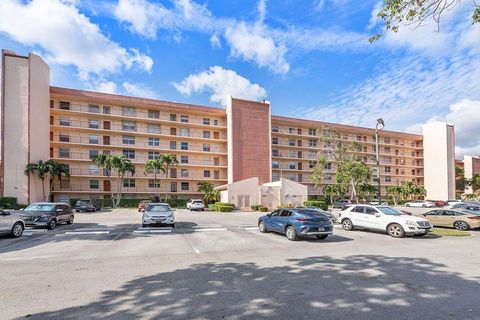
223, 146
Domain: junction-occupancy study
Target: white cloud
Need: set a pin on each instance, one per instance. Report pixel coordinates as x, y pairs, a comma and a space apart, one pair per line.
252, 43
66, 36
107, 87
139, 90
220, 83
215, 41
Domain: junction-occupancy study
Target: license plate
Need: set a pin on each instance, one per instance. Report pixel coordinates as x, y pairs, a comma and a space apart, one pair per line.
321, 229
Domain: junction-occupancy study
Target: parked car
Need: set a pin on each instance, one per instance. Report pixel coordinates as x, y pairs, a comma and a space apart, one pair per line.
341, 203
47, 214
458, 219
158, 214
420, 204
440, 203
408, 213
321, 211
374, 202
296, 222
11, 223
383, 218
142, 205
466, 206
87, 205
195, 204
452, 202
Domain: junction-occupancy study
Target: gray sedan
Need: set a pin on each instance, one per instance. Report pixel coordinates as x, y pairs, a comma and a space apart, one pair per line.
11, 223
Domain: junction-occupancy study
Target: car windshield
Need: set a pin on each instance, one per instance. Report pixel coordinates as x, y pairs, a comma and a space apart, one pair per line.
40, 207
159, 208
198, 201
83, 201
309, 213
389, 211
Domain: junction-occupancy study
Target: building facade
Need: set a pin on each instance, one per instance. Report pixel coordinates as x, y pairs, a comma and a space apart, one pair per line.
41, 122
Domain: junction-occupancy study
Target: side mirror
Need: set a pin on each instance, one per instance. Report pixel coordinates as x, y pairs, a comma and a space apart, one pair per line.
378, 215
143, 210
21, 209
58, 210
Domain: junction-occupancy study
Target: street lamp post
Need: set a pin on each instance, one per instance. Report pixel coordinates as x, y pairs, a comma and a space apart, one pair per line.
380, 125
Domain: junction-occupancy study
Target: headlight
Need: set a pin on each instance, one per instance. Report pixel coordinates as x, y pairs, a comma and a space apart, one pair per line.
410, 223
146, 215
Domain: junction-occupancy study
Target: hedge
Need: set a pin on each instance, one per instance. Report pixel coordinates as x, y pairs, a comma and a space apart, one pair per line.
316, 203
212, 206
255, 207
224, 204
223, 208
10, 203
263, 209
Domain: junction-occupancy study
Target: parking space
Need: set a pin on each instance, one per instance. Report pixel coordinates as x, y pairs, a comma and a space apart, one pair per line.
218, 265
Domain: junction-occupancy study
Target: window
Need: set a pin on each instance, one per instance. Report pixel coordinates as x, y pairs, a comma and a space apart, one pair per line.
328, 166
387, 149
64, 153
184, 132
311, 164
130, 154
206, 173
63, 137
183, 159
312, 132
274, 128
291, 130
153, 128
173, 173
94, 184
183, 145
173, 145
312, 142
359, 138
206, 134
185, 186
292, 154
106, 110
129, 183
388, 169
275, 176
206, 147
206, 121
291, 142
154, 114
216, 174
274, 140
173, 186
216, 161
64, 105
153, 183
173, 117
274, 153
93, 139
153, 155
64, 121
128, 140
369, 210
92, 153
93, 108
386, 140
183, 118
292, 165
275, 164
94, 124
153, 142
94, 170
215, 122
129, 125
388, 179
128, 111
206, 161
184, 173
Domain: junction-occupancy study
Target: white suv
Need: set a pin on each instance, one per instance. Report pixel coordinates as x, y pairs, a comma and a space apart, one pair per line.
195, 204
383, 218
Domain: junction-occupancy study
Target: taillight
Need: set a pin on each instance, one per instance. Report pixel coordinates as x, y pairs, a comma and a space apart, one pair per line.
301, 219
474, 218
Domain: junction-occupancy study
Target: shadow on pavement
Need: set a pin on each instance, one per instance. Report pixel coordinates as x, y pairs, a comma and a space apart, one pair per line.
356, 287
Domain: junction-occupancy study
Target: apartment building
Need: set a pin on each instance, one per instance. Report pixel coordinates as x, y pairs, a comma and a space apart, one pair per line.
224, 146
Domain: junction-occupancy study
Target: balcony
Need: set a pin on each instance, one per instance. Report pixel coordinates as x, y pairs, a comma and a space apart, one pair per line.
192, 174
85, 188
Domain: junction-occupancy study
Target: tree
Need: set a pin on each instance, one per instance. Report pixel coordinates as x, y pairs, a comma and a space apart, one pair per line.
461, 183
474, 183
356, 172
41, 169
105, 162
415, 12
167, 161
154, 166
122, 165
366, 189
410, 190
396, 192
57, 171
210, 194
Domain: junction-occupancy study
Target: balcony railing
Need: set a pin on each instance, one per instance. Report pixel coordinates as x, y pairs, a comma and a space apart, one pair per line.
192, 174
141, 189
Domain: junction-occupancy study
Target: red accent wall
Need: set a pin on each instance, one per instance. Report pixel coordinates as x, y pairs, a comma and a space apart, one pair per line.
251, 140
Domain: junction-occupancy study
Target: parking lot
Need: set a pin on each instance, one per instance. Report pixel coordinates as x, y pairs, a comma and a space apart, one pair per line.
217, 265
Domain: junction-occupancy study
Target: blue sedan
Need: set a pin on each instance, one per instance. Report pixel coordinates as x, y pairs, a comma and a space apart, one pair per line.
296, 222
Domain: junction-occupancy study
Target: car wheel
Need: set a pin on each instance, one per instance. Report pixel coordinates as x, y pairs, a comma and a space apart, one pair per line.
424, 205
77, 210
395, 230
461, 225
407, 205
70, 220
322, 236
52, 224
144, 225
172, 225
17, 230
347, 224
291, 233
261, 227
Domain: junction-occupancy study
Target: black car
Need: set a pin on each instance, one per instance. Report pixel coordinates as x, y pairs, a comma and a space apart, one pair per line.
86, 205
47, 214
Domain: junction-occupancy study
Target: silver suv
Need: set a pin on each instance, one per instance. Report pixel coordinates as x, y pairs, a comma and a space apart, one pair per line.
11, 223
195, 204
158, 214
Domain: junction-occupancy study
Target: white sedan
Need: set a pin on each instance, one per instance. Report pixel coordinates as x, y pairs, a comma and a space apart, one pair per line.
420, 204
383, 218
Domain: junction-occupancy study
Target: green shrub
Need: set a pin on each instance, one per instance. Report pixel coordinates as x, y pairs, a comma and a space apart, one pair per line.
223, 208
8, 202
316, 203
177, 203
212, 206
283, 206
263, 209
255, 207
225, 204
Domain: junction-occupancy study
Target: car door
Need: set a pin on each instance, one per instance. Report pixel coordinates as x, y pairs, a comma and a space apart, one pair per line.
59, 213
449, 217
433, 217
374, 219
360, 218
5, 221
67, 212
270, 220
283, 219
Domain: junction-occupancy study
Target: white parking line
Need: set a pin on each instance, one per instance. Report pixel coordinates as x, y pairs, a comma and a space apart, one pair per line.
210, 229
93, 229
84, 232
251, 228
146, 231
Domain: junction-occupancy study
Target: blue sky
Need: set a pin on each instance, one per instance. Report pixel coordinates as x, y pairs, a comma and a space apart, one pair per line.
310, 58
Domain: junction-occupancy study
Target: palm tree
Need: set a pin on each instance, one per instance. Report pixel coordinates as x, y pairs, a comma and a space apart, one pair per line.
210, 194
57, 170
105, 162
122, 165
154, 166
395, 192
41, 169
167, 161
